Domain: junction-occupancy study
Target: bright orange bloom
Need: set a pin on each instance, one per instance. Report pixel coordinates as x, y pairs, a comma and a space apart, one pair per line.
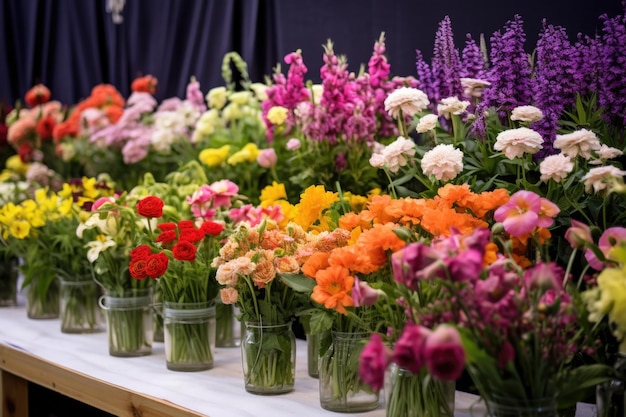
39, 94
352, 220
145, 84
377, 209
481, 204
378, 242
333, 288
64, 129
455, 194
316, 262
353, 259
408, 211
491, 253
113, 113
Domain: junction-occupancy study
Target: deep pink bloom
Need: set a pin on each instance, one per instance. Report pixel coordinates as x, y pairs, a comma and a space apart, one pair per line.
409, 350
611, 237
444, 354
578, 235
506, 354
201, 202
373, 362
247, 213
465, 266
363, 294
520, 215
415, 262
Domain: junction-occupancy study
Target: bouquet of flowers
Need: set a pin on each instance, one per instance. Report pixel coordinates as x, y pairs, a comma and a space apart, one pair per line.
518, 319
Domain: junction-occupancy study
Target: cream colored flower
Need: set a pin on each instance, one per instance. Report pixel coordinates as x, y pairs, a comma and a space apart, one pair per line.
260, 91
526, 114
516, 142
604, 153
426, 123
406, 99
555, 167
451, 105
97, 246
444, 162
600, 178
581, 142
231, 112
240, 97
316, 91
398, 153
377, 160
473, 87
216, 97
277, 115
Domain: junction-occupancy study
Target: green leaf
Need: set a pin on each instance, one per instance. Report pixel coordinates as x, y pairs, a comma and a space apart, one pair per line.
298, 282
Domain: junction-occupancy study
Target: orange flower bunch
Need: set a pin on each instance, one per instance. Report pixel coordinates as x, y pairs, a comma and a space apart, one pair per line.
145, 84
104, 97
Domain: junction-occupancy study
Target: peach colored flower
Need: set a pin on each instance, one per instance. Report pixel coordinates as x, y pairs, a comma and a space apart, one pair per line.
229, 295
426, 123
581, 142
264, 273
452, 105
600, 178
21, 129
287, 265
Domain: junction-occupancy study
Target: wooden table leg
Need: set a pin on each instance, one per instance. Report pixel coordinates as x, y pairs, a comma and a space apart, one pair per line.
14, 395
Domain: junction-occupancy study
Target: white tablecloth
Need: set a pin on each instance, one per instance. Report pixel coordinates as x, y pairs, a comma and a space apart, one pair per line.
218, 392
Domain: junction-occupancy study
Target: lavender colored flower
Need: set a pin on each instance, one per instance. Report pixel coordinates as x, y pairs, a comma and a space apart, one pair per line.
554, 84
472, 62
195, 95
446, 62
427, 81
612, 73
510, 71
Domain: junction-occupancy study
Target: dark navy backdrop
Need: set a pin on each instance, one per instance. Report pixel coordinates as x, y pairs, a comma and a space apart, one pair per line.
72, 45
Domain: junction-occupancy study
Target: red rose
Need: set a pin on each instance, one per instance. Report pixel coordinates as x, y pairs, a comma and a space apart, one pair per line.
25, 152
137, 268
191, 235
185, 224
212, 228
39, 94
157, 265
166, 237
166, 226
184, 251
140, 252
150, 207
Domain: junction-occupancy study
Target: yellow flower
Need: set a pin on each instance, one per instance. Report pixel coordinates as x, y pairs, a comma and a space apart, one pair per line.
260, 90
273, 193
357, 202
214, 156
277, 115
14, 163
248, 153
313, 202
19, 229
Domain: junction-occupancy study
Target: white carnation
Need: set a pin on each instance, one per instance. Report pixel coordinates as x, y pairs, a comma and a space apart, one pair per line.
581, 142
398, 153
526, 114
426, 123
599, 178
516, 142
451, 105
555, 167
410, 100
444, 162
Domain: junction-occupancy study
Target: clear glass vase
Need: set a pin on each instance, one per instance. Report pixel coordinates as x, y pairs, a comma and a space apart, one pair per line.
189, 330
514, 407
268, 358
8, 281
42, 299
417, 395
157, 315
341, 388
313, 354
129, 322
227, 327
79, 307
610, 398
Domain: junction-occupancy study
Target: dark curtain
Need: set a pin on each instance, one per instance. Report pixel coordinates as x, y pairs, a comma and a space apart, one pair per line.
72, 45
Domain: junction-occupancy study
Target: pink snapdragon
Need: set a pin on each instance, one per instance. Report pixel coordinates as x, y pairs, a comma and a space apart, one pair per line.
578, 235
610, 238
524, 212
363, 294
223, 191
201, 202
247, 213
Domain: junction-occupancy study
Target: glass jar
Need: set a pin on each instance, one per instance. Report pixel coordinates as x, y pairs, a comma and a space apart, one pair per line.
406, 395
42, 299
227, 327
79, 307
513, 407
189, 335
129, 322
341, 388
268, 358
313, 354
610, 399
8, 281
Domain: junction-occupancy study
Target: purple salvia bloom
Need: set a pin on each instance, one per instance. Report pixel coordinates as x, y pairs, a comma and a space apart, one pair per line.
427, 82
473, 63
554, 83
446, 63
587, 57
510, 69
612, 74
